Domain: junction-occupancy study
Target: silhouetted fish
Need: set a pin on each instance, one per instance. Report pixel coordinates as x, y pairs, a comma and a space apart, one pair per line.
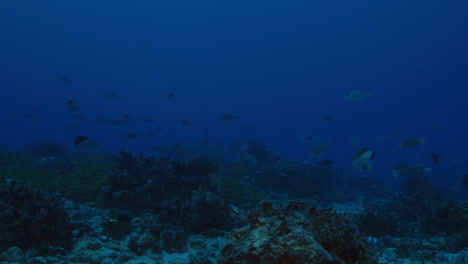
435, 158
65, 79
79, 139
229, 117
411, 142
358, 95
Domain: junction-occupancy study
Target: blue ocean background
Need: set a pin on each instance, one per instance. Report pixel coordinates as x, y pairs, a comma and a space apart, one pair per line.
281, 66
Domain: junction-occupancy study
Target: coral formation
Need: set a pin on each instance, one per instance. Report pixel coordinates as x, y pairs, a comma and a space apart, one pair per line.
181, 193
294, 234
32, 219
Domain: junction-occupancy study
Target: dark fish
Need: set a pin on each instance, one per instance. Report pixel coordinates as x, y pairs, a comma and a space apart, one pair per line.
72, 105
125, 116
65, 79
309, 138
410, 170
327, 118
79, 139
186, 122
435, 158
465, 180
229, 117
131, 135
411, 142
324, 163
87, 145
118, 122
110, 95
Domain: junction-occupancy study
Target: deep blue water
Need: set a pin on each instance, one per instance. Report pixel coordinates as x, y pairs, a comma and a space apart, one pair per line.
279, 65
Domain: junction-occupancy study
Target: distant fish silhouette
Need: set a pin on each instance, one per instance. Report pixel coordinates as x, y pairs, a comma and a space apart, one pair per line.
435, 158
65, 79
411, 142
79, 139
358, 95
229, 117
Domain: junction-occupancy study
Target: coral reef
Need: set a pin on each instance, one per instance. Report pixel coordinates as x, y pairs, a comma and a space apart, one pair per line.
181, 193
32, 219
294, 234
418, 212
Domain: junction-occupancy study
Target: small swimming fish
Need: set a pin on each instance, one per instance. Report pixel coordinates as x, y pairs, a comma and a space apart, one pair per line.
358, 95
411, 142
410, 170
319, 150
435, 158
308, 138
79, 139
110, 95
72, 105
362, 159
229, 117
324, 163
65, 79
186, 122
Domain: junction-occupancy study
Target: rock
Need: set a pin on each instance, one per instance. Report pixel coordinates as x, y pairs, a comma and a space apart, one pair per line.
13, 254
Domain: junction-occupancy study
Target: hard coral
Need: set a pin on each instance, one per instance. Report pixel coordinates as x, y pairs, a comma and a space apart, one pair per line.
180, 193
339, 235
292, 235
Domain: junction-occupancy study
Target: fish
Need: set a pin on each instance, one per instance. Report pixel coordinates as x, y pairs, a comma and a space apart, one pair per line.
79, 139
186, 122
410, 170
72, 105
65, 80
319, 150
411, 142
308, 138
186, 151
110, 95
465, 180
324, 163
170, 95
131, 135
229, 117
358, 95
327, 118
125, 116
247, 127
435, 158
361, 159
